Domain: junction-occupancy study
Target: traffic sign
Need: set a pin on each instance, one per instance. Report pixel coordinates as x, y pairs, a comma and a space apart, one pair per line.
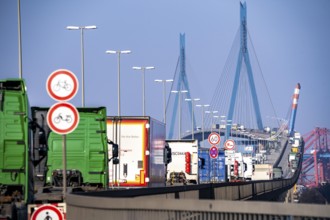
229, 153
214, 138
62, 85
47, 212
214, 152
229, 144
63, 118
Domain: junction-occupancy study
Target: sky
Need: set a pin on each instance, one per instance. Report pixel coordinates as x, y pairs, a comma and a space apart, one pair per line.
290, 38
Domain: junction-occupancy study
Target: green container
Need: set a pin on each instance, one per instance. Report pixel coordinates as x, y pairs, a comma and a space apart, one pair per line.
86, 150
15, 165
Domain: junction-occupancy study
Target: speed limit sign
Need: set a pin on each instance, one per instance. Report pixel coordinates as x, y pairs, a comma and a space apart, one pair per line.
214, 138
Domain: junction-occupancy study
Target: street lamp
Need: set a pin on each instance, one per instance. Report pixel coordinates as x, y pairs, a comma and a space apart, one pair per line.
217, 116
179, 108
203, 106
118, 52
143, 83
192, 114
20, 70
163, 81
228, 128
82, 28
212, 113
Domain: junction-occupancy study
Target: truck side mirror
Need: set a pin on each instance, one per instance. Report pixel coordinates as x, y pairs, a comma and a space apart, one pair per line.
167, 154
114, 150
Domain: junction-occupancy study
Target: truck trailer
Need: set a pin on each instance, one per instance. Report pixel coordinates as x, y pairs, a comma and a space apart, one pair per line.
184, 165
141, 152
211, 170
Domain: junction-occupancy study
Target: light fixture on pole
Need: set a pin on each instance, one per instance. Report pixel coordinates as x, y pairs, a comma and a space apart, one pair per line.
212, 113
20, 70
217, 116
82, 28
118, 52
203, 106
143, 83
228, 128
192, 115
179, 108
164, 81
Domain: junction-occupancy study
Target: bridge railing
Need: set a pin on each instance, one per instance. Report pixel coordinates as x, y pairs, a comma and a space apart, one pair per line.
146, 207
205, 201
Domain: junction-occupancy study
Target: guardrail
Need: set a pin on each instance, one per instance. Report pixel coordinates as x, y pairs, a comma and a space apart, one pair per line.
90, 207
205, 201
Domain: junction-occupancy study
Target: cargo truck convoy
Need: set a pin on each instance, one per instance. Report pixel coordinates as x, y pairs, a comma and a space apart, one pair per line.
31, 162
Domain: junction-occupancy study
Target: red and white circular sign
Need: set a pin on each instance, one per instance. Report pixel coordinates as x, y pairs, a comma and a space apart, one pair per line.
229, 144
214, 152
47, 212
62, 85
214, 138
63, 118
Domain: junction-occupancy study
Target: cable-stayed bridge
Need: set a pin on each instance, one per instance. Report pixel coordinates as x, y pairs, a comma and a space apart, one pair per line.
241, 105
240, 110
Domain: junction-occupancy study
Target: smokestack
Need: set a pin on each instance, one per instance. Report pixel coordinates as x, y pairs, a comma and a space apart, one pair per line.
294, 108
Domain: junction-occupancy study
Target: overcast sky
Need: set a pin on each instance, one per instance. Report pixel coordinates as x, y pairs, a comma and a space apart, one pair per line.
291, 40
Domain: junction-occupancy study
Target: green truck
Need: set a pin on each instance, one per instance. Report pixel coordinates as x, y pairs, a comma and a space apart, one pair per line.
31, 162
16, 168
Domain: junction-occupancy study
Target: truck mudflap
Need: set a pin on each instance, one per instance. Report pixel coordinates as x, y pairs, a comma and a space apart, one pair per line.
47, 211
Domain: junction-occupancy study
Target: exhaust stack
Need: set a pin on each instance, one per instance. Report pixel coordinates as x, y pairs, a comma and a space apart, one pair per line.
294, 108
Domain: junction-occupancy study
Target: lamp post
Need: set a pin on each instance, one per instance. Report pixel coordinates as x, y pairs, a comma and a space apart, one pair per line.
82, 28
192, 114
217, 116
212, 113
143, 83
203, 106
118, 52
20, 70
179, 108
164, 81
228, 128
222, 123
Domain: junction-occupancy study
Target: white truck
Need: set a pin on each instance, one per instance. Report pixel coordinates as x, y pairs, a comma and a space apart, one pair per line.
242, 170
266, 172
277, 172
141, 152
184, 161
262, 172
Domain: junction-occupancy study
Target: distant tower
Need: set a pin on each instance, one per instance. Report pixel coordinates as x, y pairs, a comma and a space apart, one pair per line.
180, 83
294, 108
244, 55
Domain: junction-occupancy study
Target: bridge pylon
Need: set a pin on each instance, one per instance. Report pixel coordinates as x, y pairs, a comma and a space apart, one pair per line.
243, 56
180, 83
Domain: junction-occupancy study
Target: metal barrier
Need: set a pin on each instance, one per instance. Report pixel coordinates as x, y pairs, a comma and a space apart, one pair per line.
205, 201
90, 207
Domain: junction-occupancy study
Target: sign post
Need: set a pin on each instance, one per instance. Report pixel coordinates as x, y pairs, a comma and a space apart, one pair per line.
62, 118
